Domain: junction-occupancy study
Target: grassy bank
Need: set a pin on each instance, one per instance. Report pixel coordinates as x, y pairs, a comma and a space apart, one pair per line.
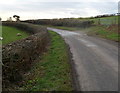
9, 34
67, 28
104, 32
52, 72
108, 32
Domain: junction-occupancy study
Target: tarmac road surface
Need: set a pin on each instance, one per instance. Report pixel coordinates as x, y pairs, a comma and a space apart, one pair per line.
95, 61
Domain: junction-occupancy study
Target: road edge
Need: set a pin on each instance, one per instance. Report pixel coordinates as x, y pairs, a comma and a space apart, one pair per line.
75, 84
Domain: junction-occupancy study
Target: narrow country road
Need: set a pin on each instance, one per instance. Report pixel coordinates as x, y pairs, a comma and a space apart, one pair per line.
95, 61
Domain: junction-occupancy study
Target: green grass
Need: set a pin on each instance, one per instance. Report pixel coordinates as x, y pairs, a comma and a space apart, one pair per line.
9, 34
106, 20
102, 31
97, 30
67, 28
52, 73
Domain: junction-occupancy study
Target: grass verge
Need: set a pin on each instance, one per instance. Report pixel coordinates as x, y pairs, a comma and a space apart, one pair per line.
52, 72
9, 34
104, 32
68, 28
97, 30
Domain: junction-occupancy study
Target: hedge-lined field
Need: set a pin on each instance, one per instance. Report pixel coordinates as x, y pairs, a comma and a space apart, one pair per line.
9, 34
18, 56
106, 20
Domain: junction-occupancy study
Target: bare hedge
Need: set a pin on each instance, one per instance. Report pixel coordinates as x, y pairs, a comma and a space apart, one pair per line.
19, 56
69, 22
29, 28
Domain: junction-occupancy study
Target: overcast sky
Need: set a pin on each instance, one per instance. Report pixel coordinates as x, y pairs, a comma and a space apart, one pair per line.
39, 9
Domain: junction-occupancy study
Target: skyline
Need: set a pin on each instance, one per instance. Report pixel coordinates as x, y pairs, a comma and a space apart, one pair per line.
39, 9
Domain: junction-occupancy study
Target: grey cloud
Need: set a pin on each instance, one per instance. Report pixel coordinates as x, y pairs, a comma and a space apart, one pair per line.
73, 8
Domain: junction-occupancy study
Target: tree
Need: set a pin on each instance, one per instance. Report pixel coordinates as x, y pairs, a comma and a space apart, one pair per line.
16, 17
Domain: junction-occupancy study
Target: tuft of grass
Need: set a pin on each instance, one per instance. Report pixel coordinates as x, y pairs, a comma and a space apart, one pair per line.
9, 34
52, 72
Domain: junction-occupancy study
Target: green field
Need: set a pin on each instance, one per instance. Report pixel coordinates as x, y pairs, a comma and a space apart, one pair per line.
103, 21
106, 20
9, 34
